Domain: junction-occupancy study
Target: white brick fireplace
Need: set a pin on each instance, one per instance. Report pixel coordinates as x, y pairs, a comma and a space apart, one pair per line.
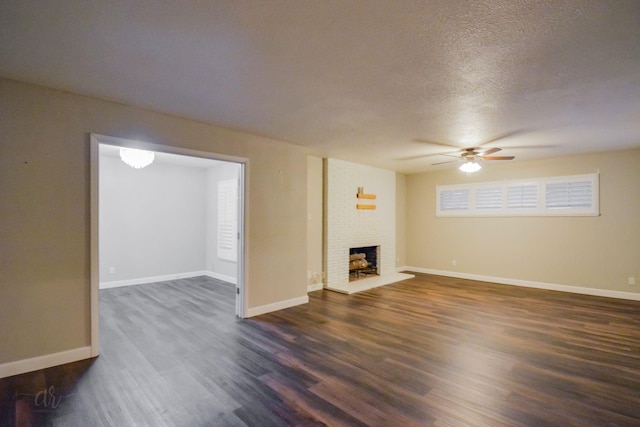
347, 227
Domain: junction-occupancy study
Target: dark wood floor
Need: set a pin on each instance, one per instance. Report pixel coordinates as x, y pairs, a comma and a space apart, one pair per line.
430, 351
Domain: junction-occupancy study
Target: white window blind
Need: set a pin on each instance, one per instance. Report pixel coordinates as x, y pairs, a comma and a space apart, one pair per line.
454, 200
568, 195
488, 197
576, 195
228, 220
522, 196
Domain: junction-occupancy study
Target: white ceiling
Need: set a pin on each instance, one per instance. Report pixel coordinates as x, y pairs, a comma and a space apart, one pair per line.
358, 80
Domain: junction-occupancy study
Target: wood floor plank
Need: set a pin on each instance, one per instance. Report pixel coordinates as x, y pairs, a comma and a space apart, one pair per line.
429, 351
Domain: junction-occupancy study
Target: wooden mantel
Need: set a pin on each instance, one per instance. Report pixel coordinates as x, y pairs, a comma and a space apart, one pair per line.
366, 197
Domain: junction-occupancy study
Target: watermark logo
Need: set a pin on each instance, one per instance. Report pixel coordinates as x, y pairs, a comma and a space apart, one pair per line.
47, 399
44, 401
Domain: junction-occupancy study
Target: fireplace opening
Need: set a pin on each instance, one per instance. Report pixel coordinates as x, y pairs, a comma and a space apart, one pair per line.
363, 262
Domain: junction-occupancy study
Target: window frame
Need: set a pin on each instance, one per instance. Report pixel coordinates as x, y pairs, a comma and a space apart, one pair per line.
505, 211
227, 220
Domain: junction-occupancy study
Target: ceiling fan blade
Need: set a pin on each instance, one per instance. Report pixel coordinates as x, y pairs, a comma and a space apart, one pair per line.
490, 151
518, 147
442, 144
506, 135
442, 163
420, 156
498, 157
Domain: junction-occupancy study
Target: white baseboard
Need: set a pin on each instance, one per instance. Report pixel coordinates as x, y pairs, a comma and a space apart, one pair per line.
222, 277
530, 284
280, 305
153, 279
314, 287
42, 362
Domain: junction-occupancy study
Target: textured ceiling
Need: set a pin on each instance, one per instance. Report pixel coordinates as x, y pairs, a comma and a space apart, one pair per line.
357, 80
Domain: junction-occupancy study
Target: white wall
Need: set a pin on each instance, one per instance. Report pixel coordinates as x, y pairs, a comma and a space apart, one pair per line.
222, 267
347, 227
152, 220
160, 221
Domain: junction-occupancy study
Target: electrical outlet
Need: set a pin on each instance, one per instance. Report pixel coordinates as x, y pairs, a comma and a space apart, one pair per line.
112, 270
454, 262
632, 280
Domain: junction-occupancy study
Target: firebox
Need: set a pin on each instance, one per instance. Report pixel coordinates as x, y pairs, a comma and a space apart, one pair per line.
363, 262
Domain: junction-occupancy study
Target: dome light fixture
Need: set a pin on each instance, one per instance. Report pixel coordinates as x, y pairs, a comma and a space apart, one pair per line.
470, 167
135, 158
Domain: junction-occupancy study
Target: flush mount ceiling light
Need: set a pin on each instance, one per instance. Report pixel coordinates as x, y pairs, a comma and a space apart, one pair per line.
470, 167
137, 159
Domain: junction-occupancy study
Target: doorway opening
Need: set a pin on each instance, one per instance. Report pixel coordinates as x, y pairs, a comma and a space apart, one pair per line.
183, 219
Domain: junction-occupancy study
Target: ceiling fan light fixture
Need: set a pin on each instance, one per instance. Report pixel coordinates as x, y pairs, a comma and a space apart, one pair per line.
135, 158
470, 167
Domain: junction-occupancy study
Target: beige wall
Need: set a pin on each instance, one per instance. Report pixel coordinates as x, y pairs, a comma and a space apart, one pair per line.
44, 210
593, 252
401, 220
314, 220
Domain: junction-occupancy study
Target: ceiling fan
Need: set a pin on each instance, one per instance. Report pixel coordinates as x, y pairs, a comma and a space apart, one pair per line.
469, 156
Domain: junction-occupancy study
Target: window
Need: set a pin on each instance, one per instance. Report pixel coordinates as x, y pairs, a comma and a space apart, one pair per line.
228, 220
576, 195
488, 197
453, 200
569, 195
522, 196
